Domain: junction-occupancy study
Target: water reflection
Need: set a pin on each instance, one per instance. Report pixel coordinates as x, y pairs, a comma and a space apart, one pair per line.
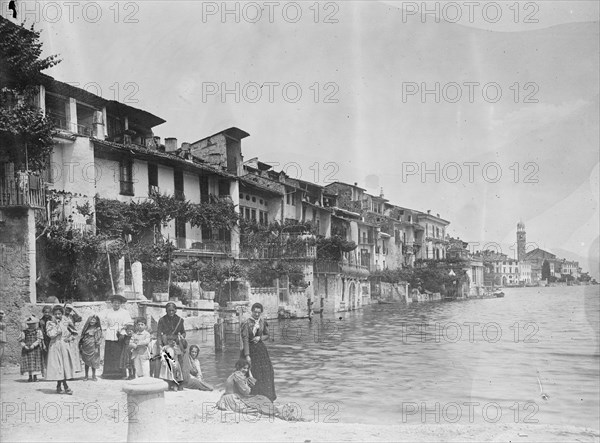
388, 363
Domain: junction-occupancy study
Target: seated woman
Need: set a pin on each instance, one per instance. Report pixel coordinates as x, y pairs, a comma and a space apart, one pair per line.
192, 374
237, 396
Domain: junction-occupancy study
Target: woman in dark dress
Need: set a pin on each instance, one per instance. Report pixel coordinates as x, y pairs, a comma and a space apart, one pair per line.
172, 324
254, 332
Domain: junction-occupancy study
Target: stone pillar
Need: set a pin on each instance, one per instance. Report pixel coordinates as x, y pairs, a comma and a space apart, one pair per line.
234, 192
146, 404
136, 278
72, 115
99, 129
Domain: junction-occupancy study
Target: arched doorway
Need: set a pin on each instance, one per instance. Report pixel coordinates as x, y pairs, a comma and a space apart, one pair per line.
352, 296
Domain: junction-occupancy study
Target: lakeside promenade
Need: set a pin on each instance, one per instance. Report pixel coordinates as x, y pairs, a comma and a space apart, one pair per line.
97, 410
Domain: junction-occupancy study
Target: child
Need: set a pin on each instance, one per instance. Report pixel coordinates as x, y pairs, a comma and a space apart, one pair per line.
60, 362
46, 317
2, 334
89, 345
31, 355
139, 349
72, 318
170, 370
126, 361
154, 349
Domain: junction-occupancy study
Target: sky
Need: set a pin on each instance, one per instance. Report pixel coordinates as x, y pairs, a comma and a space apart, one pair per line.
483, 112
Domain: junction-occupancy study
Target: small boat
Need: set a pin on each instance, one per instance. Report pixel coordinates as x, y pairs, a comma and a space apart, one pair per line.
498, 293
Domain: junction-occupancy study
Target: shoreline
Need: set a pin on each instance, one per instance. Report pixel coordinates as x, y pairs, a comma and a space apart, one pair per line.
34, 412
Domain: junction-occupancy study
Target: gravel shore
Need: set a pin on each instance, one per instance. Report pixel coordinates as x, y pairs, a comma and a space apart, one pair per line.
97, 411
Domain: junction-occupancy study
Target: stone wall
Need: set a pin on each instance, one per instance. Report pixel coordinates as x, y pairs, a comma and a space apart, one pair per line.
17, 271
393, 292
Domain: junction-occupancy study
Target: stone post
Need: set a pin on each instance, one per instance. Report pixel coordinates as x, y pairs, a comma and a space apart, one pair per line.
146, 409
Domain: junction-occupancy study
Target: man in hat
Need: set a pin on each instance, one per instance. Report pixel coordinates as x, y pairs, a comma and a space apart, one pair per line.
113, 321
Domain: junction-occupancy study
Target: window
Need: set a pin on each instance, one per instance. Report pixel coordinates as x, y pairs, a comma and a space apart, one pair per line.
247, 210
253, 199
254, 215
223, 188
152, 179
260, 217
126, 176
261, 201
204, 198
178, 175
180, 232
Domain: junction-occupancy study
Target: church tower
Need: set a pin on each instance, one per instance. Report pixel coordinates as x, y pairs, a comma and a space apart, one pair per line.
521, 241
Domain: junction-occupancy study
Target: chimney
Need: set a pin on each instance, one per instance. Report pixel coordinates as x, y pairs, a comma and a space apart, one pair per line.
381, 192
185, 146
437, 215
355, 184
170, 144
429, 212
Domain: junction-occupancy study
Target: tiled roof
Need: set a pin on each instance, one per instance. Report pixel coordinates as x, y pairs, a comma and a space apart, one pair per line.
146, 152
248, 181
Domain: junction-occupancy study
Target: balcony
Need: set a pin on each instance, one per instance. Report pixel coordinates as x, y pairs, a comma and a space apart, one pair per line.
279, 250
61, 122
85, 130
212, 247
337, 267
23, 190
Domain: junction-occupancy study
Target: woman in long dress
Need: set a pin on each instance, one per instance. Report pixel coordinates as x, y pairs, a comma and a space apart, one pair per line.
192, 373
254, 332
114, 320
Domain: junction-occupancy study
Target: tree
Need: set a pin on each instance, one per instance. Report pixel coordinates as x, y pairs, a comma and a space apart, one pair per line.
25, 134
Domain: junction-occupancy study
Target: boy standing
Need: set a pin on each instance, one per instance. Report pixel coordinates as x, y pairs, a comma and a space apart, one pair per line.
140, 353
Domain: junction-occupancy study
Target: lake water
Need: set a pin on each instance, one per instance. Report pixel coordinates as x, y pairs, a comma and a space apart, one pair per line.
530, 357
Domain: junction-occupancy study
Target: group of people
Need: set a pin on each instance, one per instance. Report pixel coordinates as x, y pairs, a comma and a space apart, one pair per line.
52, 346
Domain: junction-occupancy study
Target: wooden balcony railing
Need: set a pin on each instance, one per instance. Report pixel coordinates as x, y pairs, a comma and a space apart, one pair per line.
279, 250
212, 246
339, 267
23, 190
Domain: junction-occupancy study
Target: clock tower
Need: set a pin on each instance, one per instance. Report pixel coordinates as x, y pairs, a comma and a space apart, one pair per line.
521, 241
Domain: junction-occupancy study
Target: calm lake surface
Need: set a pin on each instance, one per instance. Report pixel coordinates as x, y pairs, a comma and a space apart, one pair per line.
449, 362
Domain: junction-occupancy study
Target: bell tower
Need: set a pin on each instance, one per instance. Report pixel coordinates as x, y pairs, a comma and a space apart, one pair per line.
521, 241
